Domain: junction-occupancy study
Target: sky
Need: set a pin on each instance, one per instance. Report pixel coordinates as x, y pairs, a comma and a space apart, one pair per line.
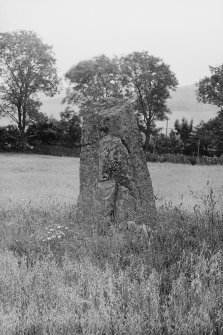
186, 34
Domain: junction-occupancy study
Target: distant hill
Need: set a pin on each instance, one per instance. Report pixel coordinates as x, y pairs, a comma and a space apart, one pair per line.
184, 99
183, 103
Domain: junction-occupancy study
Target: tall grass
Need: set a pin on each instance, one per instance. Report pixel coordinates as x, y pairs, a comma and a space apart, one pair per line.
58, 278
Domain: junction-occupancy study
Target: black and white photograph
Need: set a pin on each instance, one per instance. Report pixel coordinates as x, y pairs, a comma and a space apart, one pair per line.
111, 167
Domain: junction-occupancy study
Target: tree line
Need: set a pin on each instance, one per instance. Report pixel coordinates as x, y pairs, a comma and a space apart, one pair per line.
65, 132
205, 139
27, 69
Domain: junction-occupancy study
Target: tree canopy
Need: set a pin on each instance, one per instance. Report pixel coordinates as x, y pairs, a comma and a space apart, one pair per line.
210, 89
145, 80
93, 80
183, 129
210, 136
150, 80
27, 68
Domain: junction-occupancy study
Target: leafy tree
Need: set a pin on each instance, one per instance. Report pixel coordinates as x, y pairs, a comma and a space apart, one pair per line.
9, 136
93, 80
168, 144
144, 79
70, 126
65, 132
184, 130
210, 89
209, 136
150, 80
27, 68
44, 131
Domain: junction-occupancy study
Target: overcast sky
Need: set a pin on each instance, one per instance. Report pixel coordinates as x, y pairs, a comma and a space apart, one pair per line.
186, 34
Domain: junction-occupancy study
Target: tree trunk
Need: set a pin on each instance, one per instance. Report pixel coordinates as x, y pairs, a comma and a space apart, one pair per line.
147, 142
22, 138
21, 126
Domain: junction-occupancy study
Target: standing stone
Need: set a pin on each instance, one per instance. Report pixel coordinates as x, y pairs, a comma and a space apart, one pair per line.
115, 184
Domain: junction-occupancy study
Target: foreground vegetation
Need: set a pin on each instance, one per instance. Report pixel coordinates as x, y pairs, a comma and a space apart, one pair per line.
59, 278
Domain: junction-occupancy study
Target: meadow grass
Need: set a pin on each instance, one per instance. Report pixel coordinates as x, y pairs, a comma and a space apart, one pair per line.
46, 180
60, 278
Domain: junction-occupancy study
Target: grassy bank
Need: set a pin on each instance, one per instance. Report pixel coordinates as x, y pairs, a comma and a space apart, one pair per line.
58, 278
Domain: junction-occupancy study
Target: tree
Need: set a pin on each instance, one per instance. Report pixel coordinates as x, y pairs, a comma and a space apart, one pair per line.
184, 130
9, 136
210, 89
27, 69
70, 126
168, 144
150, 80
144, 79
44, 131
209, 135
65, 132
93, 80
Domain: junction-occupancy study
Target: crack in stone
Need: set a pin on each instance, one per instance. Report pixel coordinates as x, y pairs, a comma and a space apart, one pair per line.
125, 144
113, 211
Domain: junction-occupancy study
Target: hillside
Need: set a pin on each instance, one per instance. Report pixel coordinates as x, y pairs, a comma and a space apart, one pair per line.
183, 103
184, 99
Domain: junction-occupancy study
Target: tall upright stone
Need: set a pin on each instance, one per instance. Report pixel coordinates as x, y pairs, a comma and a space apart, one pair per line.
115, 184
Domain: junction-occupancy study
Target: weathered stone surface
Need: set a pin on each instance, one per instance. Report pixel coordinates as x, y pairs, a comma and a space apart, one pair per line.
115, 184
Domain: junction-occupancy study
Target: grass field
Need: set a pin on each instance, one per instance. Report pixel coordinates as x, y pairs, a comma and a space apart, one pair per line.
45, 180
57, 278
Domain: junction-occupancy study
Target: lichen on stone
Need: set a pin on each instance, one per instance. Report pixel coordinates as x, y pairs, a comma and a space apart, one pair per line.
115, 184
